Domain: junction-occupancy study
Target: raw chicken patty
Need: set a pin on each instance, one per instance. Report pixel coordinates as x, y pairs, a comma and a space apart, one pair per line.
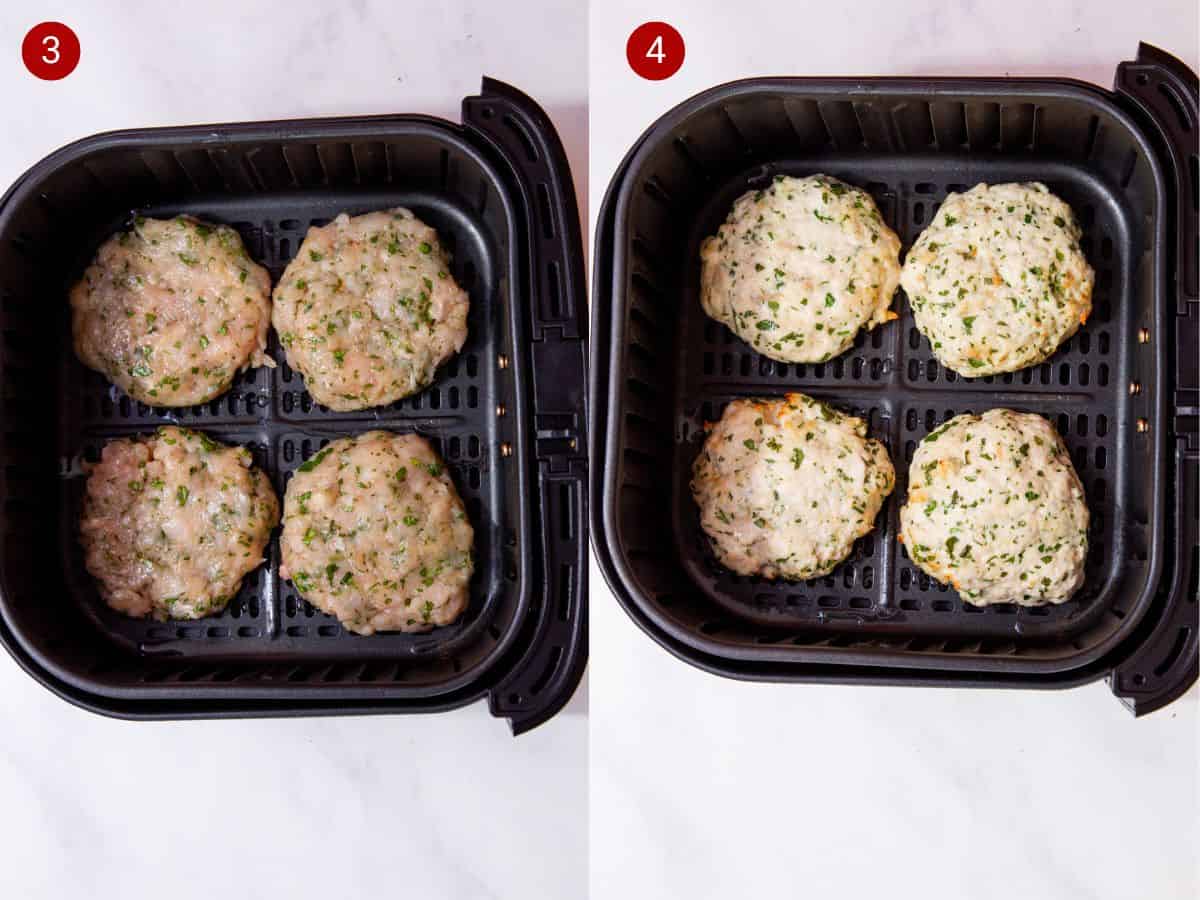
785, 487
173, 521
375, 533
997, 281
996, 510
171, 310
368, 309
799, 267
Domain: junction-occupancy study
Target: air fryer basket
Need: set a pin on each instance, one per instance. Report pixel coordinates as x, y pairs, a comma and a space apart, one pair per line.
661, 369
506, 414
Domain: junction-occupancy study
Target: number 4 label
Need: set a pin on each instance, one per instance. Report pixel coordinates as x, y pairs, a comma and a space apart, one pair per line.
655, 51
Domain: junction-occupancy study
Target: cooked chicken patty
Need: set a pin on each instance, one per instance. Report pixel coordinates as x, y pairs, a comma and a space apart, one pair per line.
996, 510
785, 487
173, 521
799, 267
171, 310
368, 309
997, 281
375, 533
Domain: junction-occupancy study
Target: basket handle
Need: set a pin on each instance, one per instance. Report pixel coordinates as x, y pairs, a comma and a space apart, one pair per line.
1162, 93
542, 680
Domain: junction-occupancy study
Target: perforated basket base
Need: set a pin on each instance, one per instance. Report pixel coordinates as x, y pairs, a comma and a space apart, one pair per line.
891, 379
270, 411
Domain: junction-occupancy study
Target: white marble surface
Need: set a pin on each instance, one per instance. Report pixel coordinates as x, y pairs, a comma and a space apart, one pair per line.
707, 788
433, 807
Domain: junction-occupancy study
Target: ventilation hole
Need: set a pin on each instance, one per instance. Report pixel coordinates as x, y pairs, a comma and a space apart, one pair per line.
467, 277
523, 136
1185, 121
546, 211
1127, 176
1194, 169
554, 286
566, 512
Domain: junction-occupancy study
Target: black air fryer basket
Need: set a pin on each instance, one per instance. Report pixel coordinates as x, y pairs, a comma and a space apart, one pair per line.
1123, 392
507, 415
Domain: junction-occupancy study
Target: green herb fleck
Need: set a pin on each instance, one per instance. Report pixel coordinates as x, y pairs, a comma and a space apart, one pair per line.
314, 461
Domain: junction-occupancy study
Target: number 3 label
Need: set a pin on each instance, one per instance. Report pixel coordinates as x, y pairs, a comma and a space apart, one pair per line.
50, 51
51, 56
655, 51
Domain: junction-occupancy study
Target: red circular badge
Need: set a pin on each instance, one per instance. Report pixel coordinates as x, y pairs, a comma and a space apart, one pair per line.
655, 50
50, 51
